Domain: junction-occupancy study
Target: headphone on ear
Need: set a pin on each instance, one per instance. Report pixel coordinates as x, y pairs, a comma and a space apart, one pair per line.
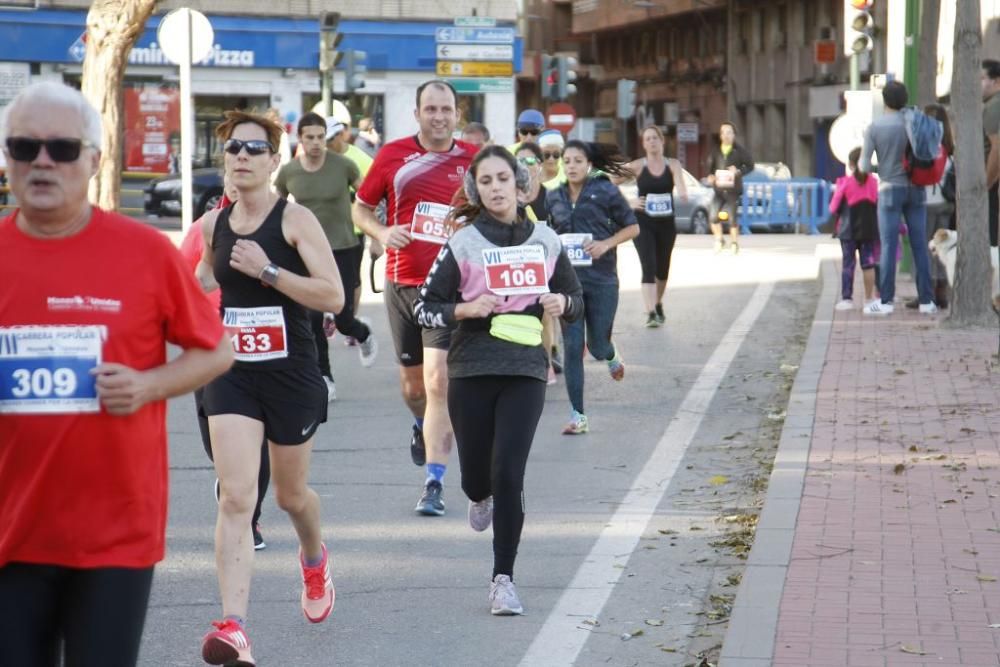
522, 181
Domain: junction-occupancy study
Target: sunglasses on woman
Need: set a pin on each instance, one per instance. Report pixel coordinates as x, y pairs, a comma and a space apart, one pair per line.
528, 161
551, 156
26, 149
534, 131
253, 146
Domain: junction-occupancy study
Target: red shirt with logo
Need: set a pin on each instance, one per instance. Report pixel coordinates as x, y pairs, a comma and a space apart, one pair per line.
79, 487
418, 186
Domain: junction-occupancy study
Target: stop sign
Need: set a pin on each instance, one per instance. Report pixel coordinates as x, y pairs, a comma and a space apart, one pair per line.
561, 116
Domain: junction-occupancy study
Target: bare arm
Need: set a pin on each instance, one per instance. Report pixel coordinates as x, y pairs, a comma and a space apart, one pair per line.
675, 169
320, 290
204, 271
393, 236
123, 390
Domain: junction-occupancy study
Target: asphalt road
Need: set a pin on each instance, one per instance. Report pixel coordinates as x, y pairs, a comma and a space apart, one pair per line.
623, 526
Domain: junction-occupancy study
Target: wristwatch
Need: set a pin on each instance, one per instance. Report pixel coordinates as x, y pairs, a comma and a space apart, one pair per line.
269, 275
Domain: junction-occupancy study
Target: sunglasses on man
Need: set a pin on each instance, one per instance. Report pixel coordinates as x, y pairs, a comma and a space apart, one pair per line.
26, 149
530, 129
253, 146
551, 156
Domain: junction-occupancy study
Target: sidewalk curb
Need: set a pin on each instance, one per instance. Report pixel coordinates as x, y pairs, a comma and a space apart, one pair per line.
753, 625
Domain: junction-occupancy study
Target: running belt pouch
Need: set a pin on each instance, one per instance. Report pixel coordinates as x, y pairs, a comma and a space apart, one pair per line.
520, 329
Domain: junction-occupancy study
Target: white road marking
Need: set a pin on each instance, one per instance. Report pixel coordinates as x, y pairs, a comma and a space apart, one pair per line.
561, 638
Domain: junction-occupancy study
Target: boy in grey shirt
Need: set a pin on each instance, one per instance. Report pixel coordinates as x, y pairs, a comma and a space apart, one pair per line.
898, 199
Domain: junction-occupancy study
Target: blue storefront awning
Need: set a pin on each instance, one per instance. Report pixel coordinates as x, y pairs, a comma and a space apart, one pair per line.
56, 36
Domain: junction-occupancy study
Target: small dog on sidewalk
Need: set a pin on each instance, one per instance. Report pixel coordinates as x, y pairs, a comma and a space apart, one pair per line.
944, 245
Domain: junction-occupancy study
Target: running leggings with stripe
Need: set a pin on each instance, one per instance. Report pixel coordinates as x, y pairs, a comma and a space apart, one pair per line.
494, 418
92, 617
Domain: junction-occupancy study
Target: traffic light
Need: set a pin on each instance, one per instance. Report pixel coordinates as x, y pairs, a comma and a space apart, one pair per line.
354, 70
859, 26
565, 76
547, 77
626, 98
329, 40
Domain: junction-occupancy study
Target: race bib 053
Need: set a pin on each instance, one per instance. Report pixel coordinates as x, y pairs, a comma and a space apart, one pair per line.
429, 223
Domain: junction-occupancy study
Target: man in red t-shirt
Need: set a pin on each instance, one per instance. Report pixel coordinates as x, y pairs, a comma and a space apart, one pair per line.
417, 176
88, 302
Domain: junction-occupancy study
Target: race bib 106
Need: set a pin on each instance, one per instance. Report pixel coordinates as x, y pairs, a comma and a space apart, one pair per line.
429, 223
573, 245
515, 270
46, 369
659, 205
257, 334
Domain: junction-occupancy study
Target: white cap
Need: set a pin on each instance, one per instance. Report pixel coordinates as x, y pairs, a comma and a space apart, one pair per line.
333, 128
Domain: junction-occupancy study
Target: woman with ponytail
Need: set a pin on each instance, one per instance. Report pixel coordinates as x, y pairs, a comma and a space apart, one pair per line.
494, 279
856, 201
592, 218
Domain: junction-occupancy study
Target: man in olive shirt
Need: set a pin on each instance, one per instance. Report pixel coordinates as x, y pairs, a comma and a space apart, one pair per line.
321, 181
991, 128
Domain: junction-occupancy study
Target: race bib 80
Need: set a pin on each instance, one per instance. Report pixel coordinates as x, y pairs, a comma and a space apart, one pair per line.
257, 334
46, 369
573, 245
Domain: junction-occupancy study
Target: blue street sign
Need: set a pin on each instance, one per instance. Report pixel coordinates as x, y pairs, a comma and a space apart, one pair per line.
458, 35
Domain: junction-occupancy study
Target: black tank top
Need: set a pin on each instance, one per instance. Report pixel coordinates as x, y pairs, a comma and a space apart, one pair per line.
261, 336
649, 184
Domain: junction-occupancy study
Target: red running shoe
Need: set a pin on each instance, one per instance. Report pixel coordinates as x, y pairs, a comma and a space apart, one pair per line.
227, 645
317, 589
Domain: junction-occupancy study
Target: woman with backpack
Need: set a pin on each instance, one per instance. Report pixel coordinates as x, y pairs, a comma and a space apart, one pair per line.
856, 202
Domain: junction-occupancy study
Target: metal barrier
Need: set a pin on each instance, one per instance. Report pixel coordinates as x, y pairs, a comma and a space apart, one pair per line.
797, 201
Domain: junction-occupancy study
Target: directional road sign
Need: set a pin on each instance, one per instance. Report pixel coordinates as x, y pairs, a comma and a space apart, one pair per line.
474, 68
475, 21
454, 35
475, 52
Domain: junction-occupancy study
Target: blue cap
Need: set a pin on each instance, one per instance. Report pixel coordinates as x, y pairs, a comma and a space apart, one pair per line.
531, 117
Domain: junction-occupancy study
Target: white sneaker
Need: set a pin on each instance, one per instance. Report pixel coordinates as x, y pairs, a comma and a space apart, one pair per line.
331, 390
503, 597
878, 308
928, 308
844, 304
368, 350
481, 514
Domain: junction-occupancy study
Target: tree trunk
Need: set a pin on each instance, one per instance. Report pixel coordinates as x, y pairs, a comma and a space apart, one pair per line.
971, 303
927, 62
113, 27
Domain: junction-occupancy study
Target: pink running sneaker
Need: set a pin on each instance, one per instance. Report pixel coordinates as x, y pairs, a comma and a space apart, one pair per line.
227, 645
317, 589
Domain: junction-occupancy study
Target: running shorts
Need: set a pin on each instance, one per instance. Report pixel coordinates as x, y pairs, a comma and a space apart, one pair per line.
291, 403
408, 337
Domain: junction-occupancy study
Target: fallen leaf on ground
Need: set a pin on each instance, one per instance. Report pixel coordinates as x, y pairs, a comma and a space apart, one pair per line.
913, 651
994, 625
591, 621
655, 622
899, 468
666, 531
718, 480
777, 416
985, 577
913, 448
788, 368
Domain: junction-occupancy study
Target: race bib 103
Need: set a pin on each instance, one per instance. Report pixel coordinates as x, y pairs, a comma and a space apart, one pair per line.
429, 223
46, 369
257, 334
515, 270
573, 245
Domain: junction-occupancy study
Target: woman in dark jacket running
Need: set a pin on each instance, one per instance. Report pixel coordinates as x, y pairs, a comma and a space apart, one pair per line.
592, 218
495, 278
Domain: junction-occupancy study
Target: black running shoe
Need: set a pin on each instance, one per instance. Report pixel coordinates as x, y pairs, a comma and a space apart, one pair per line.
258, 539
660, 317
418, 451
430, 503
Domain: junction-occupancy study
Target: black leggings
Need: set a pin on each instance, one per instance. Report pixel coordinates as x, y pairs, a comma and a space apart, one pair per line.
92, 617
655, 245
494, 418
263, 475
347, 323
